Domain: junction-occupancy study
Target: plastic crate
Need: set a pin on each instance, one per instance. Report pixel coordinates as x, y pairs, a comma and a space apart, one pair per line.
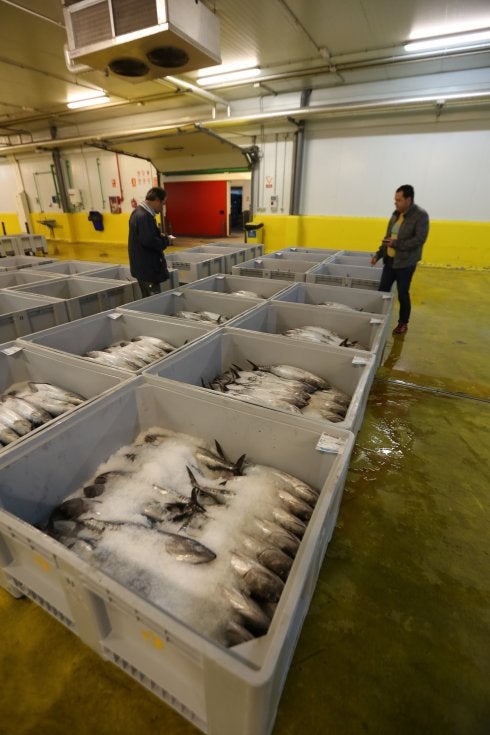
230, 255
22, 314
168, 304
101, 330
123, 273
82, 296
25, 261
192, 266
275, 317
327, 252
221, 691
20, 362
9, 279
280, 269
309, 256
349, 370
70, 267
8, 247
265, 289
355, 276
253, 250
363, 300
364, 260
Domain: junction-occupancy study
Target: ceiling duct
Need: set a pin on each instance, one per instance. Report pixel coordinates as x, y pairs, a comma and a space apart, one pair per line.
141, 40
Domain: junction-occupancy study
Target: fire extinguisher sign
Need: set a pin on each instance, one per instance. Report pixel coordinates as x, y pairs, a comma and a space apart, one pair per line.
268, 182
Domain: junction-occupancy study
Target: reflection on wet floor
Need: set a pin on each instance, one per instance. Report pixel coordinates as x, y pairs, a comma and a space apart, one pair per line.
396, 638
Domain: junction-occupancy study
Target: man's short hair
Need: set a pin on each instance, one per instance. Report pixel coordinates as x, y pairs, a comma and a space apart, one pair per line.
407, 191
156, 192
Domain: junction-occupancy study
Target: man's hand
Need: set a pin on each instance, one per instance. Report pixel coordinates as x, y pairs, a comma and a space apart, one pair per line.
373, 260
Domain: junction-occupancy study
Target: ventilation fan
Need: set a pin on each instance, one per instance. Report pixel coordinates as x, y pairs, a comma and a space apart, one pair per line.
141, 39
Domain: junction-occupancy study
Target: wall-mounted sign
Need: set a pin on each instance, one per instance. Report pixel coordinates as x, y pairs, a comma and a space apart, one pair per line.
268, 182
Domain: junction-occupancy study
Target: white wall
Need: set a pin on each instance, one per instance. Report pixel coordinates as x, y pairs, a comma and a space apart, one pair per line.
357, 175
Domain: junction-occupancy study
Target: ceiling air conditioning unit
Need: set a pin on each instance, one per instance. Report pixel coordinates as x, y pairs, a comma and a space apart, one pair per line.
141, 39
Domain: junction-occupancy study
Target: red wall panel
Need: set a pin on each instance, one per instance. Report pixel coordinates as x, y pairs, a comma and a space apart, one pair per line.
197, 208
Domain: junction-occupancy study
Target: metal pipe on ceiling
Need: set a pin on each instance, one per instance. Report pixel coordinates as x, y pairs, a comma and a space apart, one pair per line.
346, 109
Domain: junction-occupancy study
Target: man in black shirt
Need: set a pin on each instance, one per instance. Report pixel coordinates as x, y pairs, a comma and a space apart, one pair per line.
146, 244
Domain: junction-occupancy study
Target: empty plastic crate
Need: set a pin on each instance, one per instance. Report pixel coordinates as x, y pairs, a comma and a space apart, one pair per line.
20, 362
279, 269
101, 330
349, 370
356, 276
264, 289
25, 261
308, 256
327, 252
276, 317
253, 250
169, 304
22, 314
192, 266
8, 246
82, 296
123, 273
230, 255
71, 267
364, 300
221, 691
9, 279
364, 260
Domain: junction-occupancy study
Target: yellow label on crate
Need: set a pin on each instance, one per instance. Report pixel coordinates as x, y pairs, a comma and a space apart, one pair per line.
42, 562
153, 639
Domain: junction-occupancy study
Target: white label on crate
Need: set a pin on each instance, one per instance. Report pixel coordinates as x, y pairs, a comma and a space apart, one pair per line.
375, 321
115, 316
12, 350
259, 262
331, 444
387, 296
358, 360
178, 293
220, 278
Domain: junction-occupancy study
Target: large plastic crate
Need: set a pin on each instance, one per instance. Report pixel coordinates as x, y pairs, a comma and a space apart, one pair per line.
123, 273
364, 260
82, 296
253, 250
8, 246
101, 330
355, 276
264, 288
168, 304
327, 252
20, 362
309, 256
192, 266
280, 269
8, 279
25, 261
349, 370
22, 314
364, 300
71, 267
230, 255
221, 691
276, 317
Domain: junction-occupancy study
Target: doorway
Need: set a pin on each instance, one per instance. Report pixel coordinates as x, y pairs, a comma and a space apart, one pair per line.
236, 209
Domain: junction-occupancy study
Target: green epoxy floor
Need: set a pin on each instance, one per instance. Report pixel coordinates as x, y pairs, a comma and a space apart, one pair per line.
397, 638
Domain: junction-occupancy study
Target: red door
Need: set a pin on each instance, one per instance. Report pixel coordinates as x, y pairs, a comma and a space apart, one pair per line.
197, 208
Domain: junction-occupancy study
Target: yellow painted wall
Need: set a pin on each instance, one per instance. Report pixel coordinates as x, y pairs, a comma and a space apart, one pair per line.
11, 223
450, 243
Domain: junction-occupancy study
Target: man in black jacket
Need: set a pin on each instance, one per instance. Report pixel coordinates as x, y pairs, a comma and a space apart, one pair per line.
146, 243
401, 249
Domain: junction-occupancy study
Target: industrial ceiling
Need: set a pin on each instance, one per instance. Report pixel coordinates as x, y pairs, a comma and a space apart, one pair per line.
320, 60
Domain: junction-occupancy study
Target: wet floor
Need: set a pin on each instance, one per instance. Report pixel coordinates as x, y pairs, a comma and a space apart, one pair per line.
396, 640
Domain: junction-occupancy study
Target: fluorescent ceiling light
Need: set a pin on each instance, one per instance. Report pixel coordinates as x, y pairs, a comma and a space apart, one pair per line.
241, 75
456, 40
88, 102
225, 68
